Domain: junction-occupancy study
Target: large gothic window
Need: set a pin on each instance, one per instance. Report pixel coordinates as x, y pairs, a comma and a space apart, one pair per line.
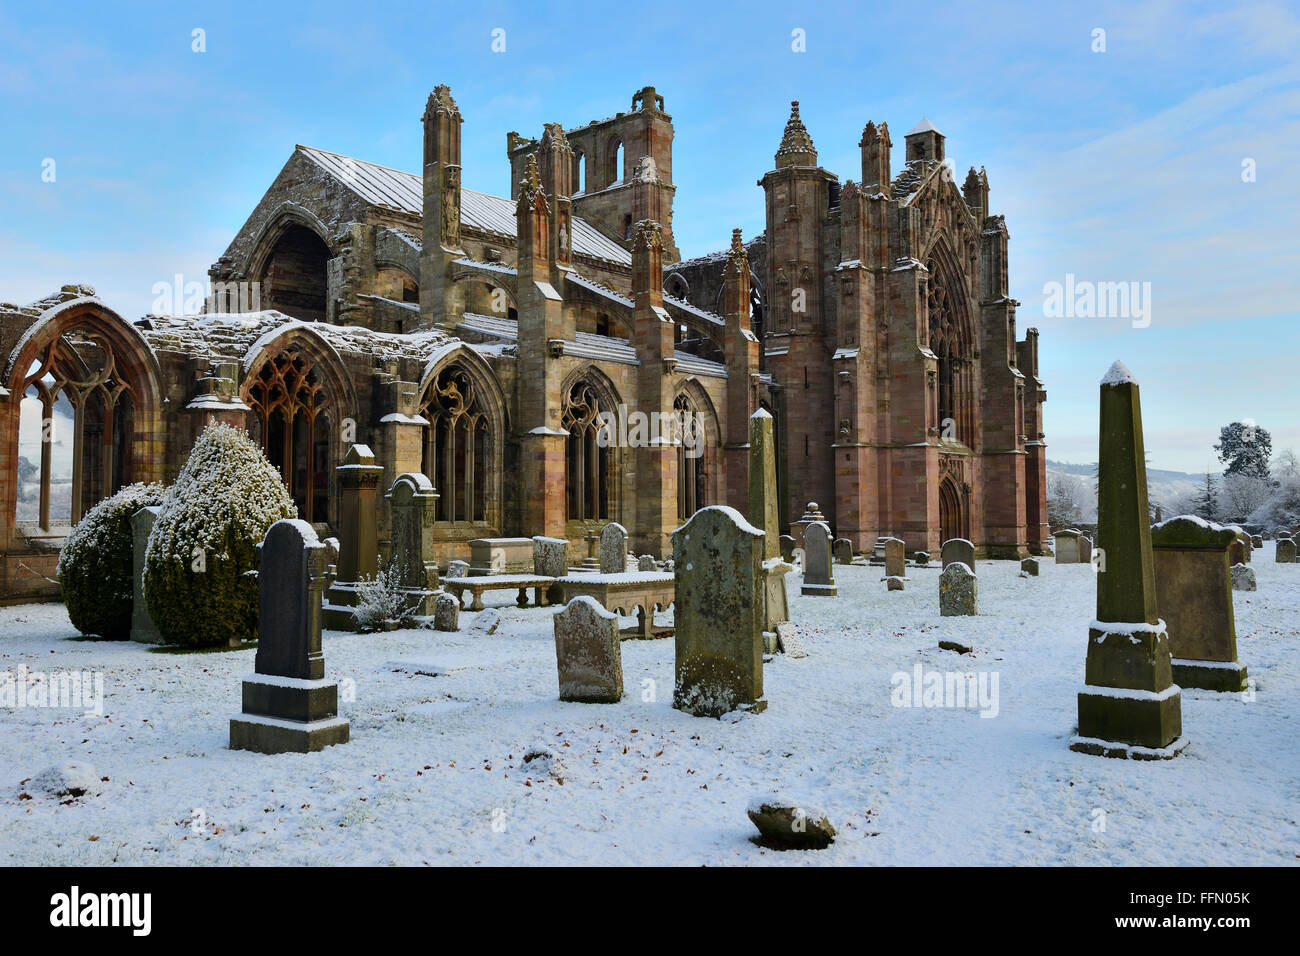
951, 342
587, 471
457, 447
291, 421
74, 432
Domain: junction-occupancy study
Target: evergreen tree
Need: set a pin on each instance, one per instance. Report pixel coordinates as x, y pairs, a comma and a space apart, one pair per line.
1245, 448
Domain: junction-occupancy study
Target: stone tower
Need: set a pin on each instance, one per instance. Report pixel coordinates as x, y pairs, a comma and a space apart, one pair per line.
797, 338
441, 203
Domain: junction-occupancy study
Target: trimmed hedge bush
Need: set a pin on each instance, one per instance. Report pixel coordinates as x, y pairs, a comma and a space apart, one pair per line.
200, 577
96, 565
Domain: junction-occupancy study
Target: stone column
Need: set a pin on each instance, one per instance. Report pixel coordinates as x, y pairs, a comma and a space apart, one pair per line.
763, 514
358, 481
1131, 706
1194, 597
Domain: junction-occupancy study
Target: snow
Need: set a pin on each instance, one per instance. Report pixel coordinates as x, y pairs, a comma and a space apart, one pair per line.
902, 785
1119, 375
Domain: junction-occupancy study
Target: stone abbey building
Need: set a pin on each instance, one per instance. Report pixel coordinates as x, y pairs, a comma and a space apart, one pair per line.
481, 339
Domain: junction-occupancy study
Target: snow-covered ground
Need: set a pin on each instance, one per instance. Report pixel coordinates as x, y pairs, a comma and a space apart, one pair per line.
440, 723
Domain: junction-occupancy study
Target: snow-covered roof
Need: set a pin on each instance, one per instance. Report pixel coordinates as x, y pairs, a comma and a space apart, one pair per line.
925, 126
242, 336
394, 189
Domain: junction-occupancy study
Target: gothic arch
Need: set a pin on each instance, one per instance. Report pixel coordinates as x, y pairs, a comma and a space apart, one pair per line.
592, 473
286, 214
951, 337
953, 513
81, 361
698, 482
303, 413
464, 445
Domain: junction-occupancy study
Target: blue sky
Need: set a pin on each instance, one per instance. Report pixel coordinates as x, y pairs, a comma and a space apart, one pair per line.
1117, 166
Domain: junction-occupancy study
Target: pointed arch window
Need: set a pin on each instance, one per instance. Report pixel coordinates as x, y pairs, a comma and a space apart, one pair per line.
457, 447
75, 431
587, 464
952, 343
293, 423
692, 476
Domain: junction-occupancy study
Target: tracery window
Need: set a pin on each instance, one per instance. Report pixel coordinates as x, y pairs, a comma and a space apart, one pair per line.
951, 343
587, 471
292, 422
457, 446
691, 485
75, 428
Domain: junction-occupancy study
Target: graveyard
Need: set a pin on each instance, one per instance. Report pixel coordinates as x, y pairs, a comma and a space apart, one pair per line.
435, 769
870, 710
618, 437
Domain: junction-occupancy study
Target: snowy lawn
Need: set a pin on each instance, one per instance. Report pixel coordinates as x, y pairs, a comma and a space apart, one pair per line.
440, 724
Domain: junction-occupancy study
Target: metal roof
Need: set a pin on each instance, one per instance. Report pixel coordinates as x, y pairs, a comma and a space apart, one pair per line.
394, 189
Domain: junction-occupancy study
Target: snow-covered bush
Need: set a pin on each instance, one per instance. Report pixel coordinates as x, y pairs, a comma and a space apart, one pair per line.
381, 600
96, 567
200, 566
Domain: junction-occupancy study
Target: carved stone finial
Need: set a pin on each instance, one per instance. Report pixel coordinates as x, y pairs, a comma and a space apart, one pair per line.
795, 142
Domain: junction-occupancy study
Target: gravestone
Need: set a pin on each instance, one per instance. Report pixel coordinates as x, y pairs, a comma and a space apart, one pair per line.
592, 560
818, 579
1030, 567
1256, 542
895, 558
142, 627
1085, 549
550, 557
1285, 553
412, 500
446, 612
922, 558
1066, 546
358, 482
764, 515
613, 548
457, 569
787, 548
1194, 598
289, 707
958, 591
958, 550
1236, 552
894, 583
1243, 578
843, 550
490, 556
1130, 707
587, 655
647, 562
718, 557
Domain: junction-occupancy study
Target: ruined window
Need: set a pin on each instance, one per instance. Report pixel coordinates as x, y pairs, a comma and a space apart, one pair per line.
691, 478
294, 277
457, 444
587, 472
579, 173
74, 431
291, 421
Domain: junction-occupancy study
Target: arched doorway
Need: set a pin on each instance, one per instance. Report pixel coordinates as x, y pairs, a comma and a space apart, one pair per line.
952, 514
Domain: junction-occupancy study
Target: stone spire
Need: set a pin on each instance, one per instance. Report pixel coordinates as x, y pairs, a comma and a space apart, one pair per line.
796, 145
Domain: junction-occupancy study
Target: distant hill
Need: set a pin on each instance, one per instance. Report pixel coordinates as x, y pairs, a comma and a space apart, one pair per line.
1164, 488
